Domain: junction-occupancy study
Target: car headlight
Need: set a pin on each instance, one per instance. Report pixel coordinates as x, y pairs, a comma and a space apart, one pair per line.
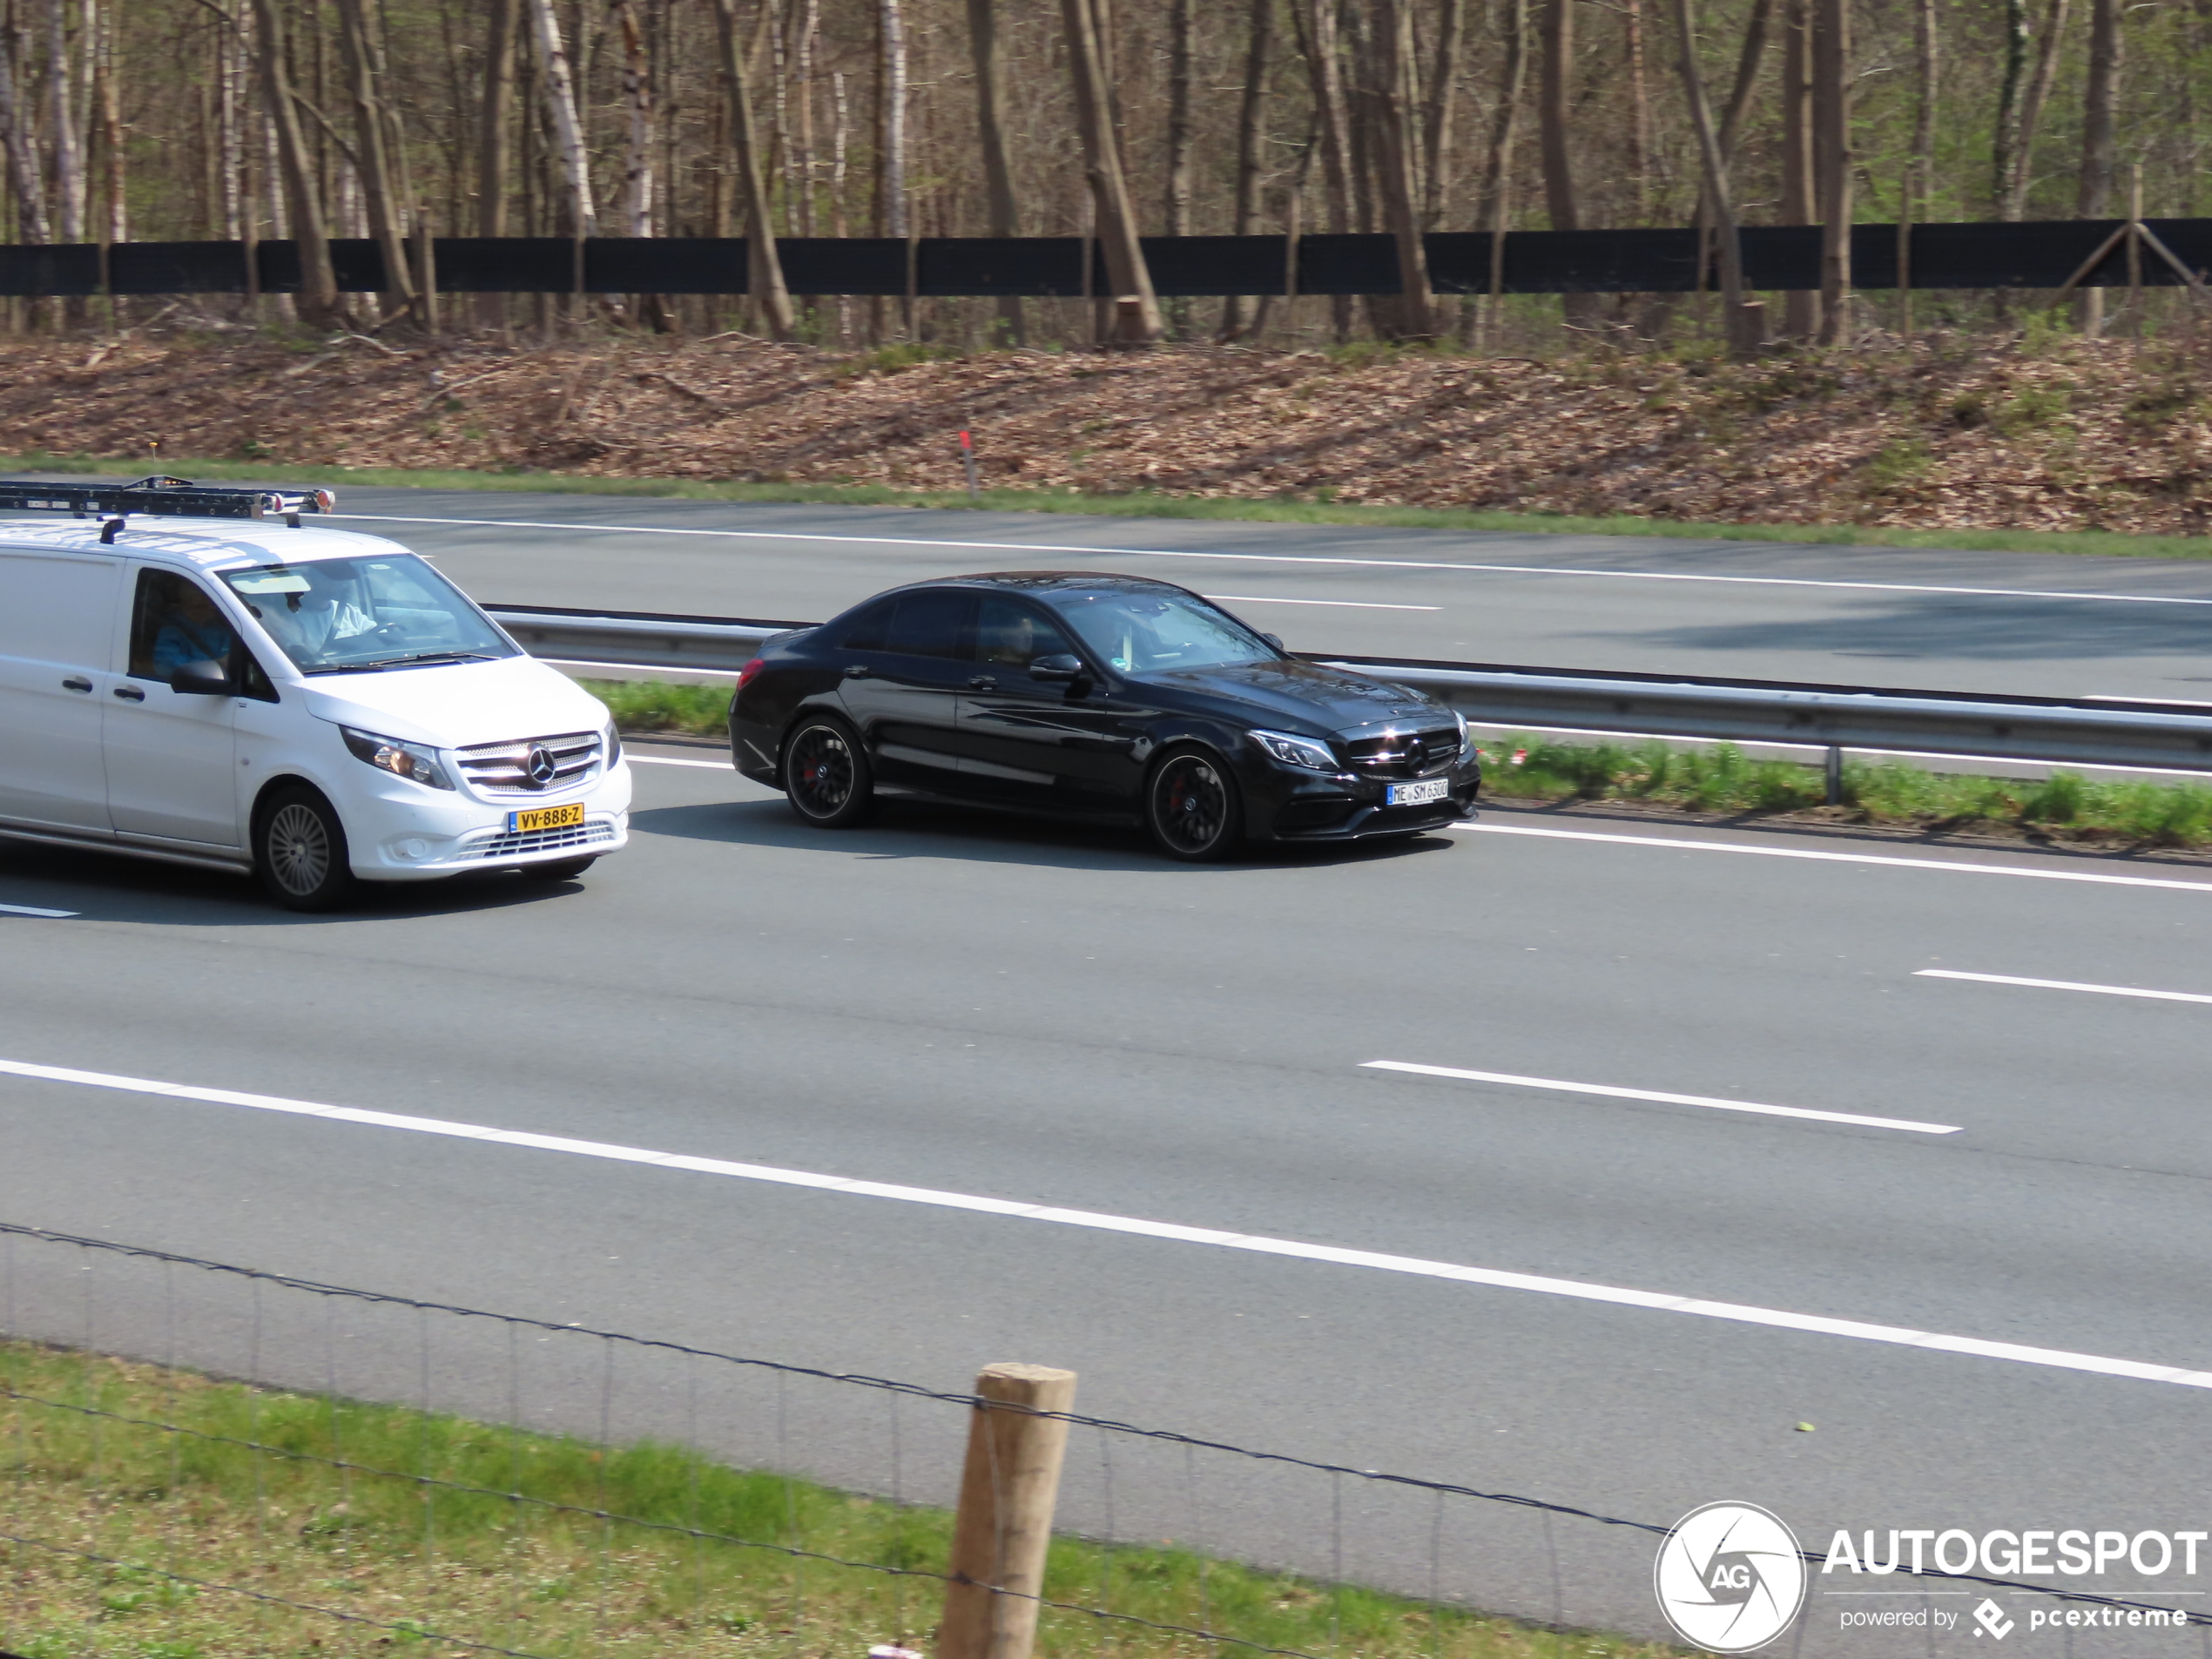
614, 745
1302, 752
414, 761
1466, 742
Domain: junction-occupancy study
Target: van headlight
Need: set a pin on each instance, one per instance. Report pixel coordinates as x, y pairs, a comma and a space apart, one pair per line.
413, 762
1302, 752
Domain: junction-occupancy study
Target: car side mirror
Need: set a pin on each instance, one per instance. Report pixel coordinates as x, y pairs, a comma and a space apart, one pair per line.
1275, 640
1061, 667
200, 679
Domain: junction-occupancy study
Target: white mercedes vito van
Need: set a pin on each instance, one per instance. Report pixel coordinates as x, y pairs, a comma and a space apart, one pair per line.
315, 705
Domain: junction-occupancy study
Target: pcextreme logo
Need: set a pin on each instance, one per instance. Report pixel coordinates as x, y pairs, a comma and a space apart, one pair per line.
1729, 1577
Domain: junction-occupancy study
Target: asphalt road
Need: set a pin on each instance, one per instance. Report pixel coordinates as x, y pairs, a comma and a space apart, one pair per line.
950, 1002
2043, 624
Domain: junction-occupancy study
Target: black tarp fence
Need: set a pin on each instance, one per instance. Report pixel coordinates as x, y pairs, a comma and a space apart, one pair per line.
1776, 257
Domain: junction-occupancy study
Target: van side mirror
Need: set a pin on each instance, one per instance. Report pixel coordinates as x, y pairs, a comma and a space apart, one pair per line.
200, 679
1061, 667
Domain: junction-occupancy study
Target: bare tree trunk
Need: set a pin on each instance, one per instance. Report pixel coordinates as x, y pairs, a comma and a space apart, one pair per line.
1747, 62
24, 172
1175, 216
891, 135
1443, 96
230, 137
1801, 307
1832, 132
494, 149
2003, 163
1415, 316
2100, 111
1139, 324
62, 129
1639, 109
561, 110
385, 214
1496, 208
1325, 71
990, 122
1555, 73
1252, 164
318, 302
637, 97
765, 268
1925, 90
2037, 94
1714, 166
108, 103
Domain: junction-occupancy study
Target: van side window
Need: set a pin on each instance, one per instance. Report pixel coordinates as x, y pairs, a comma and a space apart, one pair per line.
173, 621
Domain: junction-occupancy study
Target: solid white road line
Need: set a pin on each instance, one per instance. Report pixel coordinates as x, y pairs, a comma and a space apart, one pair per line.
1657, 1301
1282, 558
1663, 1098
1839, 858
2061, 985
33, 910
667, 668
1339, 604
636, 759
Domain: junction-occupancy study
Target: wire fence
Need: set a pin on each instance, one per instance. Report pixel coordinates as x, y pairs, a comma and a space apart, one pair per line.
203, 1458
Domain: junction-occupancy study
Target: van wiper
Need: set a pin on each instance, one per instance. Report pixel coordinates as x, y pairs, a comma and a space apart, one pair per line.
423, 658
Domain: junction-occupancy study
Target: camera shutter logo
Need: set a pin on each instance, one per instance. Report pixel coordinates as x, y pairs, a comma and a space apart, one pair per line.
1729, 1577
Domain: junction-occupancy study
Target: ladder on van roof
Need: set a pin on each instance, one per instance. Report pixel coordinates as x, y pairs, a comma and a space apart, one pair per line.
165, 498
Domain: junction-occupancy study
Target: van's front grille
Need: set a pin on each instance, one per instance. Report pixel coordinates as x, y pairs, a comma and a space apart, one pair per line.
530, 765
512, 843
1406, 754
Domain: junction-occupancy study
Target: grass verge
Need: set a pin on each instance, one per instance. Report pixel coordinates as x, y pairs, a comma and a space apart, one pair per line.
442, 1567
2064, 806
1149, 504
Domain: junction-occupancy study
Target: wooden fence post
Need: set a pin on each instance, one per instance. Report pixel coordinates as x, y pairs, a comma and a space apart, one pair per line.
1006, 1491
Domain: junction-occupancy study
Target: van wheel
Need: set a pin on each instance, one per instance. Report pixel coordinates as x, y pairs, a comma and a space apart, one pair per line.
299, 852
827, 777
566, 870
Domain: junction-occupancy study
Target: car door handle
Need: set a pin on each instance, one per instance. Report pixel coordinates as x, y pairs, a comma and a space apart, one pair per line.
76, 683
130, 694
983, 682
856, 671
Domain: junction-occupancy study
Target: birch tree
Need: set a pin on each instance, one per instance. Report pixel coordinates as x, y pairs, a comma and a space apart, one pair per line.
763, 268
561, 111
637, 103
1116, 214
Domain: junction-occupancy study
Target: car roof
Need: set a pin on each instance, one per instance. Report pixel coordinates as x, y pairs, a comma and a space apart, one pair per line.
1044, 582
206, 546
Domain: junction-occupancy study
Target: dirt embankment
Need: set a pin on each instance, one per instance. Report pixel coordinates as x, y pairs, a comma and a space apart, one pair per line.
2077, 435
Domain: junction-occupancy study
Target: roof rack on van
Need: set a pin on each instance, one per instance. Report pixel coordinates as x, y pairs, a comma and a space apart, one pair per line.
162, 498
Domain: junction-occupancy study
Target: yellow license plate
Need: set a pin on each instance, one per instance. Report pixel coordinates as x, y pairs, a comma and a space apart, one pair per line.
546, 817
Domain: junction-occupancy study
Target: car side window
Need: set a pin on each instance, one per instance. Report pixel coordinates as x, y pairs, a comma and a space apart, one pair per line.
1012, 635
867, 630
929, 622
174, 621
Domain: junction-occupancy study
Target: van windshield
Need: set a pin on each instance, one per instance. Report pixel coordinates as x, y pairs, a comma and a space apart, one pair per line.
356, 616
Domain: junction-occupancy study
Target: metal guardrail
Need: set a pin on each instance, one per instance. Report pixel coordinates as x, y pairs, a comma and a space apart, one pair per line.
1835, 717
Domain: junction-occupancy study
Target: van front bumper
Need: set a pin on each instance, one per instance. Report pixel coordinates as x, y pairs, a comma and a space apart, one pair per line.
408, 839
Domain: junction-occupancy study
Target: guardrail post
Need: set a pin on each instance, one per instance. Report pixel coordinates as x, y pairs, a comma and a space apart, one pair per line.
1004, 1525
1835, 774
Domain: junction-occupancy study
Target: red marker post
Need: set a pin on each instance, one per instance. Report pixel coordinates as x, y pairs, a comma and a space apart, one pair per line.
968, 455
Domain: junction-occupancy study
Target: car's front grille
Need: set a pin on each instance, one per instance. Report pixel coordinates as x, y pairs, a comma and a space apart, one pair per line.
511, 843
1406, 754
515, 768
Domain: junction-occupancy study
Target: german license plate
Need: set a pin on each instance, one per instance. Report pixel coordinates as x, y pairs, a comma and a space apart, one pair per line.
1418, 794
545, 817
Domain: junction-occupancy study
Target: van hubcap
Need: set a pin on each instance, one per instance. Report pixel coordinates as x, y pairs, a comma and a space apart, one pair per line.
298, 849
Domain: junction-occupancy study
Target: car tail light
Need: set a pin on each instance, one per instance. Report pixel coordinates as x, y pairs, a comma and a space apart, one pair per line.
745, 674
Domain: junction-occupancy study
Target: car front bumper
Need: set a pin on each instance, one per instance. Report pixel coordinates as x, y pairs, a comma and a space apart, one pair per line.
1283, 806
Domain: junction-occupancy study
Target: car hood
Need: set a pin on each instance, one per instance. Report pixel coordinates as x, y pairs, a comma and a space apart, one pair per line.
456, 706
1330, 698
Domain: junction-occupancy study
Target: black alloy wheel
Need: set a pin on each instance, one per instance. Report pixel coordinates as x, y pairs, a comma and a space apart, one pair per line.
560, 870
299, 852
1193, 807
825, 774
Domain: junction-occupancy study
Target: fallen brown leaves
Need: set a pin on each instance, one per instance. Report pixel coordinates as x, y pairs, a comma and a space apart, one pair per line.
2078, 436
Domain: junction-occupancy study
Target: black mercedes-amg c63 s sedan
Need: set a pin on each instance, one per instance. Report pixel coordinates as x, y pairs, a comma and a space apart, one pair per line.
1097, 696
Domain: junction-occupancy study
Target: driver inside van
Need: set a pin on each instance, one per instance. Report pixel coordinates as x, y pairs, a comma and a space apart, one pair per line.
193, 631
314, 615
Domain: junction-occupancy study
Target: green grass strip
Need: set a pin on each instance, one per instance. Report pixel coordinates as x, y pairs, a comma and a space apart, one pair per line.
1151, 504
423, 1526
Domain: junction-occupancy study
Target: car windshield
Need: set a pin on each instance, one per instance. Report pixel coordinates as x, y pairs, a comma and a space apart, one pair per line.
353, 616
1153, 632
